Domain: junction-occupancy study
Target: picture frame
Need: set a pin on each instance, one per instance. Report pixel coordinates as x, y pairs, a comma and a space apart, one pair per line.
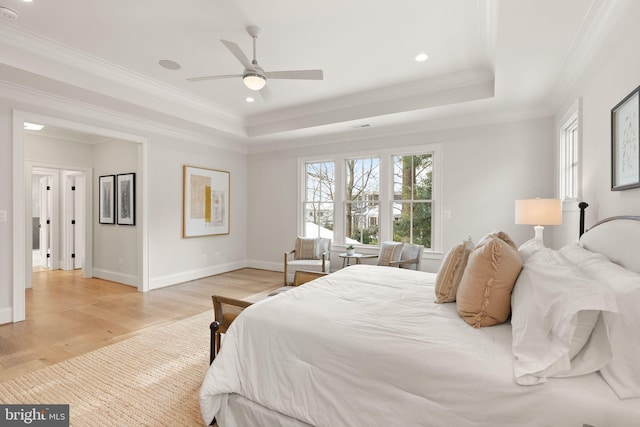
205, 202
106, 202
625, 143
126, 198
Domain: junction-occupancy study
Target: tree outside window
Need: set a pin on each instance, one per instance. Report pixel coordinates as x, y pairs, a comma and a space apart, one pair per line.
362, 179
319, 199
412, 194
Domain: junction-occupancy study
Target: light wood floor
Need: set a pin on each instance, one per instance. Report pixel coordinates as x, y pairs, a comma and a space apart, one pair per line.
68, 315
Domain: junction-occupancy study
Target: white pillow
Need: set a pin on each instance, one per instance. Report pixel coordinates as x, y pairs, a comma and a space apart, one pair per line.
623, 372
557, 326
530, 247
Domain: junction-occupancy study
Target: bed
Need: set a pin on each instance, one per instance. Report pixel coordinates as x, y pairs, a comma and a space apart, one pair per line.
367, 346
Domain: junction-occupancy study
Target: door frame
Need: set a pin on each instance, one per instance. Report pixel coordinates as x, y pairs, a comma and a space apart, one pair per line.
22, 247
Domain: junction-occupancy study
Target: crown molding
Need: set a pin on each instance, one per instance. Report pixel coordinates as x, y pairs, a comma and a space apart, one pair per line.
469, 85
488, 11
437, 123
39, 55
90, 139
37, 102
600, 20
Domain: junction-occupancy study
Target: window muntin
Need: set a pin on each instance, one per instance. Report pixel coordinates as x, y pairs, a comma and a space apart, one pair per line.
362, 197
319, 199
412, 195
568, 159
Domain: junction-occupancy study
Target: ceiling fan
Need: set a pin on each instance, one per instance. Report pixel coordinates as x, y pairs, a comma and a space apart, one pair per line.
253, 76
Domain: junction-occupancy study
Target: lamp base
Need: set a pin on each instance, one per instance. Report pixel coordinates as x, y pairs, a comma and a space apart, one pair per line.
538, 233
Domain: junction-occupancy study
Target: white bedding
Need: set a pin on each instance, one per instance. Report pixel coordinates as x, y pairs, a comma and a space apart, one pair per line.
367, 346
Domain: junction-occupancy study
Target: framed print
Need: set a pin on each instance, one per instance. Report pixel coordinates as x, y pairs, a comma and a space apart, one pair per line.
126, 203
205, 204
625, 143
106, 204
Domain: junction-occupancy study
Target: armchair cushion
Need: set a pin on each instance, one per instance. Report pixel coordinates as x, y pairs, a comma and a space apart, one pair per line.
389, 252
307, 248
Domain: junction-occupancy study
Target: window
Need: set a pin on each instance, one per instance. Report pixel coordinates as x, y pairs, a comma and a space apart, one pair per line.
412, 198
318, 201
362, 195
368, 198
568, 158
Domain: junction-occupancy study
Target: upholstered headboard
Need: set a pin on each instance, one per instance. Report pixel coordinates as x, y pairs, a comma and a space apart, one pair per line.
616, 238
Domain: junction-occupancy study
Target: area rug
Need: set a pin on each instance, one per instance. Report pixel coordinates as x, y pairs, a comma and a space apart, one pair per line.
152, 379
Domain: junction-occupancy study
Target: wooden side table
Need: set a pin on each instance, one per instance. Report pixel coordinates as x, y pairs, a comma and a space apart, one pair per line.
347, 257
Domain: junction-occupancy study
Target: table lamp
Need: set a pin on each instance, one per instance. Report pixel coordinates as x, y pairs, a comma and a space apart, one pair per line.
539, 212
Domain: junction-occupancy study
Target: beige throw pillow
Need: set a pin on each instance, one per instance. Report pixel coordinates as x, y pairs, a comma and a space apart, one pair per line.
499, 235
451, 270
306, 248
484, 294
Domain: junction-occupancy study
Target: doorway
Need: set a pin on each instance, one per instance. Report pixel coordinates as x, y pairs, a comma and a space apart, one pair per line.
22, 216
57, 218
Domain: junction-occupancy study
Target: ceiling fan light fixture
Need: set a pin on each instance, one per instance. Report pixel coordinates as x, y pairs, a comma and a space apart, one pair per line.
254, 81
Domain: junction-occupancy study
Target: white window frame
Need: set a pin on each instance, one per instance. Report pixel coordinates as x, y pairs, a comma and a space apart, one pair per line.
569, 144
302, 193
386, 191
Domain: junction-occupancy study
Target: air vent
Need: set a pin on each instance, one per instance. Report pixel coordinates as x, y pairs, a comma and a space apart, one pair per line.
7, 13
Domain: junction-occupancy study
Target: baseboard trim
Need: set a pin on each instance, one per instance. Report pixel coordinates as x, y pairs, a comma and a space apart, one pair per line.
6, 315
265, 265
114, 276
186, 276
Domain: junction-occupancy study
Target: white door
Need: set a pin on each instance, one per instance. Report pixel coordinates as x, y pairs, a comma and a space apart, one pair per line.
80, 219
73, 221
45, 222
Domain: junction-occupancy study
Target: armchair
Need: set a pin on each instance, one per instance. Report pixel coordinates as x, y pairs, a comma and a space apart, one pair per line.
403, 255
410, 257
225, 311
310, 253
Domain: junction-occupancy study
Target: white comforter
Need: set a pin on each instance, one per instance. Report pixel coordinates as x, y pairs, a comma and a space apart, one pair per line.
367, 346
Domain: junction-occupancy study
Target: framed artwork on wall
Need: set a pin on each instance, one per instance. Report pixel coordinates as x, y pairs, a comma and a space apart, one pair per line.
126, 204
106, 203
205, 203
625, 143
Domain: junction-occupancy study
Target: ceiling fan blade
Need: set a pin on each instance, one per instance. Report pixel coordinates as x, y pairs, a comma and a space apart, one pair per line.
266, 94
239, 54
226, 76
297, 74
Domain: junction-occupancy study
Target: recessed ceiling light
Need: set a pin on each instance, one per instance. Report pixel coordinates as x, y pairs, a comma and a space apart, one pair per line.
27, 1
421, 57
169, 65
32, 126
249, 99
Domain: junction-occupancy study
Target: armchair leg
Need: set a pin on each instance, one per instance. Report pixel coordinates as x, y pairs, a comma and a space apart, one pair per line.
215, 341
285, 269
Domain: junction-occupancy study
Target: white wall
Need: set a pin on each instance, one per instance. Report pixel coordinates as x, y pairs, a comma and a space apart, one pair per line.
6, 233
484, 170
57, 151
115, 247
613, 72
174, 259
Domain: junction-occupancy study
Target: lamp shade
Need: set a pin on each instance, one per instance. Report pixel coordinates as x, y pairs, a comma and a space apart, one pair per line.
539, 211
